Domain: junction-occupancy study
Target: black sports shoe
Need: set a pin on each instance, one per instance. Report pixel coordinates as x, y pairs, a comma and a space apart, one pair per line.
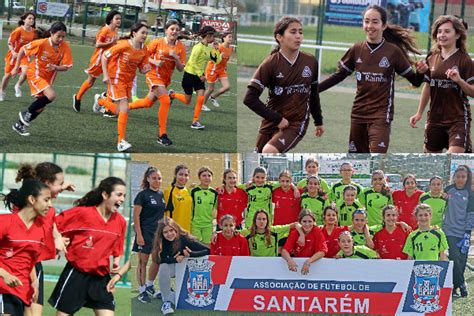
463, 290
20, 129
76, 104
25, 117
164, 140
109, 114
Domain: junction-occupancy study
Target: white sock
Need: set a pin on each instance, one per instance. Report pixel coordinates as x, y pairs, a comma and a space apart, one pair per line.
142, 288
149, 283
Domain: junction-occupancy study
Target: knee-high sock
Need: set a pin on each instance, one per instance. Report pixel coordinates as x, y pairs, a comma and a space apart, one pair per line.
38, 106
198, 107
86, 85
181, 97
141, 103
122, 125
107, 103
163, 112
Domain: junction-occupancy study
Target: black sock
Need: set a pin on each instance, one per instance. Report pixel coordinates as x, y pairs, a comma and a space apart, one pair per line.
37, 107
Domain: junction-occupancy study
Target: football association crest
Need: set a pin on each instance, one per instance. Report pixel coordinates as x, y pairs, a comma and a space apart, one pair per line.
426, 288
199, 283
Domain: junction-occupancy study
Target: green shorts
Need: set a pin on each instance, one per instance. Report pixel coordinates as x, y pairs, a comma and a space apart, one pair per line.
203, 234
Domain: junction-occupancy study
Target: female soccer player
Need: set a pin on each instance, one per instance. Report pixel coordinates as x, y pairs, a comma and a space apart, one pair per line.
426, 243
166, 55
22, 35
104, 39
314, 248
148, 209
229, 242
390, 240
374, 198
49, 55
179, 202
436, 200
172, 245
349, 251
193, 77
22, 240
287, 206
407, 199
291, 77
218, 72
204, 206
457, 224
331, 231
311, 167
314, 199
348, 205
361, 233
449, 83
231, 200
97, 231
336, 192
119, 67
376, 60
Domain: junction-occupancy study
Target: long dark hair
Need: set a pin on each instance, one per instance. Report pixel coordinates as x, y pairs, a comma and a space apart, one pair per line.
23, 18
19, 197
45, 172
134, 29
176, 244
110, 16
268, 231
467, 185
176, 170
280, 28
148, 172
396, 34
94, 197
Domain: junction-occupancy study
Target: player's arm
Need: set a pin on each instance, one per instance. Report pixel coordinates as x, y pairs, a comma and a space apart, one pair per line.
252, 100
20, 55
344, 68
368, 239
137, 209
443, 256
315, 109
424, 99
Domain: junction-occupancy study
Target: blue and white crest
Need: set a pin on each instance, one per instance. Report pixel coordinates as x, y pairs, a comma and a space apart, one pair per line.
199, 283
426, 288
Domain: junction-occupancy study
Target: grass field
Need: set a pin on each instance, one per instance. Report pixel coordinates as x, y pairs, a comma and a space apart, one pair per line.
60, 129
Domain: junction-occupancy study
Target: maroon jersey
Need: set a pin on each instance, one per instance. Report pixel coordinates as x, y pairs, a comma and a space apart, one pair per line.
390, 245
314, 242
448, 103
289, 86
287, 207
20, 248
93, 240
375, 70
236, 246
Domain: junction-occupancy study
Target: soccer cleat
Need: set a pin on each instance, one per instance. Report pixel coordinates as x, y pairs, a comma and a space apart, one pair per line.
25, 117
20, 129
197, 125
166, 308
2, 96
76, 104
164, 140
110, 114
170, 94
17, 91
205, 108
463, 290
123, 145
214, 102
96, 108
144, 297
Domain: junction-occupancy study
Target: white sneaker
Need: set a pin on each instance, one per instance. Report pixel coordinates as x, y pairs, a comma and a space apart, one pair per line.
123, 145
17, 91
166, 308
214, 102
96, 108
2, 96
205, 108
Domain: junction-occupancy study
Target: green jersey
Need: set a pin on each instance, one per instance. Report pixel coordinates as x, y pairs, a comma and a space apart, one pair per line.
204, 203
200, 56
438, 206
425, 245
324, 185
337, 190
359, 238
315, 205
374, 202
345, 212
258, 198
258, 246
359, 252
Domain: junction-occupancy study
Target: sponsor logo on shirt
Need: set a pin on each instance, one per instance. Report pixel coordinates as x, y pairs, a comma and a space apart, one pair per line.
384, 63
280, 75
358, 76
443, 83
359, 61
306, 72
89, 243
296, 88
371, 76
278, 90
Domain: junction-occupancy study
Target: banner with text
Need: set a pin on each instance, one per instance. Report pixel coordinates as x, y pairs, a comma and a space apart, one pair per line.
256, 284
219, 26
52, 8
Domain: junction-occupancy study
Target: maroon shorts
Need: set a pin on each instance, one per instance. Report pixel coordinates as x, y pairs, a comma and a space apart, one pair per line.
283, 140
373, 137
442, 136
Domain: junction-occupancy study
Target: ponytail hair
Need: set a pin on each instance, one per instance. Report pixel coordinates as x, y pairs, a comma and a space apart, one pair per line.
19, 197
45, 172
280, 28
396, 34
134, 29
149, 171
94, 197
23, 18
110, 16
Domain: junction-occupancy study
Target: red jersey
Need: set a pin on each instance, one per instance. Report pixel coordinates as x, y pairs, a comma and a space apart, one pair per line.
287, 207
233, 203
236, 246
332, 241
390, 245
20, 248
93, 240
406, 205
314, 242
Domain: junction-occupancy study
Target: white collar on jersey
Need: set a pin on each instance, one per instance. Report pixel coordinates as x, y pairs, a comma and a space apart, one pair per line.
373, 50
288, 60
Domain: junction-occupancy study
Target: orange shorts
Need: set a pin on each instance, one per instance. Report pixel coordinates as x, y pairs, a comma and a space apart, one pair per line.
213, 76
38, 85
120, 91
10, 63
152, 80
94, 71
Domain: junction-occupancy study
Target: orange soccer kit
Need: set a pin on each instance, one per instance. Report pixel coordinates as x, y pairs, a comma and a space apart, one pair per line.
217, 71
18, 38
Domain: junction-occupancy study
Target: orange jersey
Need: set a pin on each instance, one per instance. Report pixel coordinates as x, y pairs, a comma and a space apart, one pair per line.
43, 54
159, 49
226, 52
103, 36
123, 61
18, 38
